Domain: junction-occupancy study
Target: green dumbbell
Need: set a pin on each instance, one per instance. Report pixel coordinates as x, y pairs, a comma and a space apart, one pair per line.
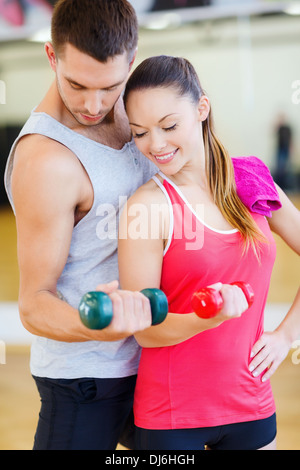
96, 310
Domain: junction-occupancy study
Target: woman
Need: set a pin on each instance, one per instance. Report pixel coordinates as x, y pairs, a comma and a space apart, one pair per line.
201, 383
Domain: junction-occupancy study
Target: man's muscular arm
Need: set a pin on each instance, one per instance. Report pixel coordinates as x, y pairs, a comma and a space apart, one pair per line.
48, 184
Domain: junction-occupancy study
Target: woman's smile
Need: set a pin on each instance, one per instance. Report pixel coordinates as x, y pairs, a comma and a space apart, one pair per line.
166, 157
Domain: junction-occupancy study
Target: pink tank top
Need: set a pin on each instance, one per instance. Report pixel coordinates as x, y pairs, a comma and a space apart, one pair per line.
205, 380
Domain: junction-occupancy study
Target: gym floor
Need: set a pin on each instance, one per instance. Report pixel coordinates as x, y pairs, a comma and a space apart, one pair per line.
19, 404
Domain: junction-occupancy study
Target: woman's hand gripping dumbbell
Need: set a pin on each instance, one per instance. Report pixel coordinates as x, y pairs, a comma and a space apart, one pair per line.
208, 302
96, 308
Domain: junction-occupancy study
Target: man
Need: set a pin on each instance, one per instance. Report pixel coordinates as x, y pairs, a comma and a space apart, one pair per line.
283, 152
74, 160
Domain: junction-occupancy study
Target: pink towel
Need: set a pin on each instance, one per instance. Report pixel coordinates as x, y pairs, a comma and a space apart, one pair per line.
255, 185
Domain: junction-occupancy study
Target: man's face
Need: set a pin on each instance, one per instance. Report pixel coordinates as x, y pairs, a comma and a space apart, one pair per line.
88, 88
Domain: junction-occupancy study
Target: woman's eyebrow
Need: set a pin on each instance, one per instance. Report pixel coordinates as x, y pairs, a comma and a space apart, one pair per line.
161, 120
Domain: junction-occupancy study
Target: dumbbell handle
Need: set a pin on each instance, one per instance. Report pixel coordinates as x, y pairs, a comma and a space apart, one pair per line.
208, 302
96, 309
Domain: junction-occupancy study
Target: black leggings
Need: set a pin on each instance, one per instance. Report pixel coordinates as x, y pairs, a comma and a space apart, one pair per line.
250, 435
85, 414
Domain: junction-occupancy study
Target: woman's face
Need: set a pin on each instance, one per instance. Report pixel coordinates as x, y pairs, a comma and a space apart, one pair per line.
167, 127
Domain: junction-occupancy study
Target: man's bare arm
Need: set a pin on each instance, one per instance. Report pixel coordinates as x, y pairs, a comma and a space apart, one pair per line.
48, 183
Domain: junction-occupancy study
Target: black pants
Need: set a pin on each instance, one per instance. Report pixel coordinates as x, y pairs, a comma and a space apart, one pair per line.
85, 414
251, 435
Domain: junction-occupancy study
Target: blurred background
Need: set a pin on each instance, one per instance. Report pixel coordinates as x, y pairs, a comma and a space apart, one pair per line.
247, 54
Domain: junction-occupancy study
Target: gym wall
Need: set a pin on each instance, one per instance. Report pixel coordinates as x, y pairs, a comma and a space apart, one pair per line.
249, 67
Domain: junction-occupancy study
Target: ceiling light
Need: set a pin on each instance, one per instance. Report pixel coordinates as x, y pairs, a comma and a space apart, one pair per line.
164, 21
293, 9
43, 35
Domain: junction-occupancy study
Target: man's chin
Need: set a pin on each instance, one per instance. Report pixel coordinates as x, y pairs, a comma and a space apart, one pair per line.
87, 120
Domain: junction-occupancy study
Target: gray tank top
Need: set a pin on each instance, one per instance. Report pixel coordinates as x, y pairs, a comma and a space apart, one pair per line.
115, 175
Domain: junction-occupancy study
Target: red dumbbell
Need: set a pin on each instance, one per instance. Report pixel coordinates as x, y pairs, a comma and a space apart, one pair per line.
207, 302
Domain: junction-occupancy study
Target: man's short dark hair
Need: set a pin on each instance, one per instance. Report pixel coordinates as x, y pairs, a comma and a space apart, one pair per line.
99, 28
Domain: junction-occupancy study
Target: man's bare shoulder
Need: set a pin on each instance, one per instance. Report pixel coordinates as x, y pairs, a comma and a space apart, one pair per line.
38, 150
49, 169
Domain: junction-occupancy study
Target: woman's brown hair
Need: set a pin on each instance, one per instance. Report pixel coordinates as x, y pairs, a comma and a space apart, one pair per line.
176, 72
